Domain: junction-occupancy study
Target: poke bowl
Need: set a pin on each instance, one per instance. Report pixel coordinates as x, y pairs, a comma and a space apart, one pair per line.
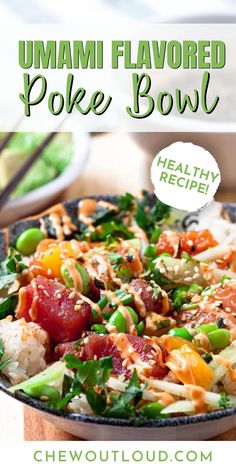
117, 318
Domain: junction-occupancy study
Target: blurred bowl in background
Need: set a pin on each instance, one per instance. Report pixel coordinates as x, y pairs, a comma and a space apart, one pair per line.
221, 145
42, 197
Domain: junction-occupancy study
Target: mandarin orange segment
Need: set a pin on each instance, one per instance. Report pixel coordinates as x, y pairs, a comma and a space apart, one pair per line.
51, 260
174, 342
189, 368
51, 254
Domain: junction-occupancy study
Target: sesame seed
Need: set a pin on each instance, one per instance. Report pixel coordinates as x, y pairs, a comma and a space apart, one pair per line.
188, 279
196, 276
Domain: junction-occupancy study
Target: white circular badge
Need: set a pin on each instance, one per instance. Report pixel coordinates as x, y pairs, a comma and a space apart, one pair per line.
185, 176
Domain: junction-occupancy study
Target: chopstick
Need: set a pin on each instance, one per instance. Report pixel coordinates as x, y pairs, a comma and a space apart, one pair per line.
4, 194
5, 140
7, 137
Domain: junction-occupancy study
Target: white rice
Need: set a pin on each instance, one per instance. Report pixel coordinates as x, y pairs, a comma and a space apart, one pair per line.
25, 343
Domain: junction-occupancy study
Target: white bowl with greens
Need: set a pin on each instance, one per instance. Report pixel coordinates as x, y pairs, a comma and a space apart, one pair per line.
58, 167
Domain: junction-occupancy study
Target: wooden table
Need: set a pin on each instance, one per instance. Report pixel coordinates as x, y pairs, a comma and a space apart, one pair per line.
116, 165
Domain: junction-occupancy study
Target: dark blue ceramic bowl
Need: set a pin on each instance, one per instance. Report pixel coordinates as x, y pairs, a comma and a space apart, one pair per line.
194, 427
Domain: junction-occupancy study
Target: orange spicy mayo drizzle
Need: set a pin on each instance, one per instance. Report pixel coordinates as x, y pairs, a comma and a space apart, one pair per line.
197, 397
228, 365
140, 305
130, 356
93, 305
86, 208
131, 329
75, 275
98, 267
32, 311
22, 300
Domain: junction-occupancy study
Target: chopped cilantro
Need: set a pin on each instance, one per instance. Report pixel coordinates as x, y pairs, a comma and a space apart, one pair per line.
111, 229
156, 292
96, 401
122, 405
224, 401
7, 306
126, 202
10, 268
90, 378
102, 215
92, 372
155, 274
88, 374
160, 211
147, 216
155, 235
115, 259
77, 343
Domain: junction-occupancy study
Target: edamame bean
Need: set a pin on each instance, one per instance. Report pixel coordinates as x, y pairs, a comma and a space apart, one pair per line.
133, 314
85, 278
152, 410
117, 319
150, 250
219, 338
181, 333
68, 279
207, 328
28, 241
